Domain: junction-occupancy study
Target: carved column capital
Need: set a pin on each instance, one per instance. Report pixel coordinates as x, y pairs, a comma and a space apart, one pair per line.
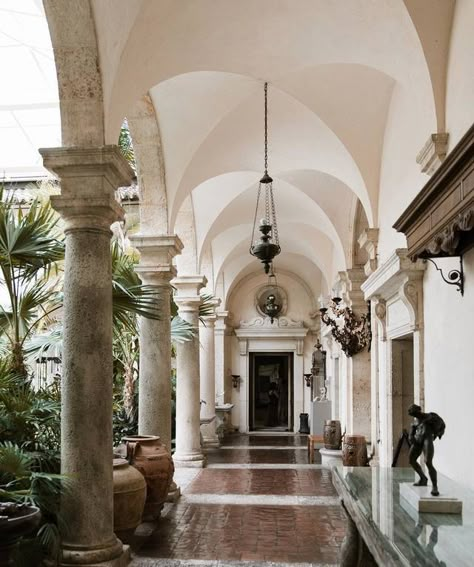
89, 177
187, 297
156, 257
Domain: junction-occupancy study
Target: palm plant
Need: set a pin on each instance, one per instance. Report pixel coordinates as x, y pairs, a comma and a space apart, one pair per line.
31, 249
21, 482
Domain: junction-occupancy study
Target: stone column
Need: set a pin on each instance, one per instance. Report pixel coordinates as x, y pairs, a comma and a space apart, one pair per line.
156, 269
220, 331
208, 377
188, 440
89, 176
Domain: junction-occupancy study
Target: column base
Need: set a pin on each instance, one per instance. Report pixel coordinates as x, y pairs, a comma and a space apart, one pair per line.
116, 556
211, 442
174, 493
189, 460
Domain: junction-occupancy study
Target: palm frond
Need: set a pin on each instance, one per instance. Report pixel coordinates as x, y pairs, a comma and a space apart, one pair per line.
181, 330
207, 306
14, 462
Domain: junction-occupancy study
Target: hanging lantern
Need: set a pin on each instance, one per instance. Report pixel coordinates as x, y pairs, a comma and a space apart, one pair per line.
267, 246
273, 303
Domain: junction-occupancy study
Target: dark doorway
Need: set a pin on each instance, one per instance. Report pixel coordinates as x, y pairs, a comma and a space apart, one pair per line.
271, 391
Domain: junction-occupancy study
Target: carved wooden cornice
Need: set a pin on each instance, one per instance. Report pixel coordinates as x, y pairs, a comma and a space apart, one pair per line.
440, 220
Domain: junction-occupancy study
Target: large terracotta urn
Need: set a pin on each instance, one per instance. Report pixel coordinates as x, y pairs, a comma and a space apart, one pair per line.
129, 499
354, 451
332, 434
16, 521
153, 460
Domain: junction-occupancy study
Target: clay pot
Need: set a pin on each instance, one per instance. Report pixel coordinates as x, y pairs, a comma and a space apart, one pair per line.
20, 521
129, 499
332, 434
354, 451
150, 457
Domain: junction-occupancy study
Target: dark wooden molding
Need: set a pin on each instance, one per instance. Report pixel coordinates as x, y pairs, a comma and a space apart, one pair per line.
440, 219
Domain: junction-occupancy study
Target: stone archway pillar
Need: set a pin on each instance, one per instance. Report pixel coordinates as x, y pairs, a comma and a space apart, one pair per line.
188, 442
208, 377
89, 176
156, 269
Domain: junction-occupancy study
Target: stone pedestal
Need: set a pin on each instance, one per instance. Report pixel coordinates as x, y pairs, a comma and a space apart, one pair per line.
420, 498
188, 444
320, 412
224, 422
89, 176
330, 457
208, 379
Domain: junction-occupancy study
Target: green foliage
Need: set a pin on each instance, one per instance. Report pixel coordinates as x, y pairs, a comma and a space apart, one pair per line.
126, 146
31, 250
19, 482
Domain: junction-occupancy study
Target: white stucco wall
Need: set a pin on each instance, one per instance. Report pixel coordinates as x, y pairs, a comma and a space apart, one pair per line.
300, 304
400, 177
449, 368
460, 79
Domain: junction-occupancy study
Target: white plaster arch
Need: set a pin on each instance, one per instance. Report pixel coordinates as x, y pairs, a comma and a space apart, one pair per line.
236, 143
148, 149
304, 240
76, 54
315, 32
294, 266
292, 204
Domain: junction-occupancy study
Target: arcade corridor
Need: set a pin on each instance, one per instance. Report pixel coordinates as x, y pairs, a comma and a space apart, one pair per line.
257, 501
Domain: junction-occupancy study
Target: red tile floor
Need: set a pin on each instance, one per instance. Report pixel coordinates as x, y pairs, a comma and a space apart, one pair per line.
272, 509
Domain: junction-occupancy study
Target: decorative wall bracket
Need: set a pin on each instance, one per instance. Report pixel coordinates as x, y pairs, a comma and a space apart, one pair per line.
352, 333
235, 380
454, 277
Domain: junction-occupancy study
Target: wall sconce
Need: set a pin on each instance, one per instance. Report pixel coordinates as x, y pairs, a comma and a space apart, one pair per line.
351, 333
235, 380
308, 378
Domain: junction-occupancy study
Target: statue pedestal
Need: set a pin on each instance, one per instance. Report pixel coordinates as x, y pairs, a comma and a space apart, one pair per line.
330, 457
320, 412
422, 501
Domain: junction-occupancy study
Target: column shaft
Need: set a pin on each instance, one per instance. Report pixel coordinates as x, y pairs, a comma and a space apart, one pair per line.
154, 409
88, 177
188, 443
208, 379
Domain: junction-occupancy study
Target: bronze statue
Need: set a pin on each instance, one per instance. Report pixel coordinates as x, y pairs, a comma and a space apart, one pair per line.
427, 427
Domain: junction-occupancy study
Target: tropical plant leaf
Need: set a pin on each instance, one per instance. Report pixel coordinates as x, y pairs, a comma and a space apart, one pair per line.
181, 330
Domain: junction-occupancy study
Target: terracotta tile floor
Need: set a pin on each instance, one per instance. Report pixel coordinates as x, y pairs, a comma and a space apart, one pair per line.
274, 481
258, 440
293, 534
242, 456
218, 528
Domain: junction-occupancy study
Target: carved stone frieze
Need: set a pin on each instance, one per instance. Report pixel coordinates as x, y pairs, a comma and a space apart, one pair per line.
281, 322
439, 221
447, 241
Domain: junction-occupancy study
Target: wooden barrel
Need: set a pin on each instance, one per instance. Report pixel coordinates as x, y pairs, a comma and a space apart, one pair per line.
354, 451
332, 434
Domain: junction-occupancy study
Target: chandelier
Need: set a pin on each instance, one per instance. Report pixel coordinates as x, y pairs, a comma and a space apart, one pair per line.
273, 304
352, 333
268, 246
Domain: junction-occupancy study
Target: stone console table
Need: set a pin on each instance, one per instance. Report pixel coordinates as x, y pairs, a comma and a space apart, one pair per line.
385, 530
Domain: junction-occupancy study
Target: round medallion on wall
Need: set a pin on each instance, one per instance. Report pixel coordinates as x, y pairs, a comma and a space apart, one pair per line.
264, 292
